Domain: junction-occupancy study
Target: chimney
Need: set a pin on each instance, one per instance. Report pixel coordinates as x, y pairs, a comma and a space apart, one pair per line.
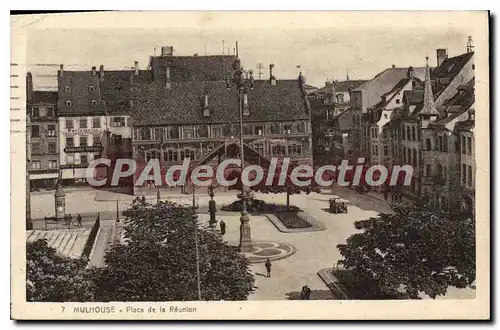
411, 72
136, 67
394, 66
101, 72
61, 70
167, 78
29, 86
93, 70
441, 55
272, 78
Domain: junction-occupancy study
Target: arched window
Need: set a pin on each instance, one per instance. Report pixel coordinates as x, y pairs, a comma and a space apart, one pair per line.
94, 104
340, 98
68, 103
67, 89
91, 89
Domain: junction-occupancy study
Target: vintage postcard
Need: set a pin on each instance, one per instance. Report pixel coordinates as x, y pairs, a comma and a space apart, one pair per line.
197, 165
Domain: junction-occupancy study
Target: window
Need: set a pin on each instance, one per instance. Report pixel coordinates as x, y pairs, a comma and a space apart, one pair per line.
52, 163
83, 141
187, 153
83, 160
287, 129
274, 128
386, 150
69, 123
294, 149
469, 175
414, 158
96, 140
445, 172
201, 131
51, 130
413, 133
340, 98
118, 121
259, 130
70, 142
187, 132
82, 123
91, 89
428, 169
51, 146
35, 131
94, 104
144, 133
301, 127
278, 150
35, 112
70, 159
398, 101
464, 174
408, 136
259, 147
36, 165
68, 104
67, 89
384, 134
375, 150
50, 112
469, 145
463, 145
247, 129
35, 148
428, 144
440, 143
173, 132
158, 134
445, 143
117, 140
96, 122
170, 155
216, 131
404, 155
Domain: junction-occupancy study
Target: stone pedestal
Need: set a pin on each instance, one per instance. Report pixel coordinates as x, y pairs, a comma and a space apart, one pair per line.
245, 236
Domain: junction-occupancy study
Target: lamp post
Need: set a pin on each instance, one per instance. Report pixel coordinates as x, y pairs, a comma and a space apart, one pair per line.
197, 258
243, 81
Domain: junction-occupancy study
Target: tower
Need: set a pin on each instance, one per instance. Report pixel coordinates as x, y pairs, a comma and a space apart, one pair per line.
429, 113
470, 45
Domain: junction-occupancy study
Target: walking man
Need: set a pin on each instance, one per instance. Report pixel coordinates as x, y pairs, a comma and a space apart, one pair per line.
222, 227
268, 267
307, 292
79, 220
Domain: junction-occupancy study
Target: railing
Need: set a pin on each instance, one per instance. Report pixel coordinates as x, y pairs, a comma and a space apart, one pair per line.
92, 237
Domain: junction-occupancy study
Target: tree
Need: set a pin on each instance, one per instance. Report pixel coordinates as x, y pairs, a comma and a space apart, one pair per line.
51, 277
157, 262
414, 249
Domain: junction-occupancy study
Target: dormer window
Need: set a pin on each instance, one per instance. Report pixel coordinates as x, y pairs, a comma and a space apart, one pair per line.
68, 104
67, 89
91, 89
94, 104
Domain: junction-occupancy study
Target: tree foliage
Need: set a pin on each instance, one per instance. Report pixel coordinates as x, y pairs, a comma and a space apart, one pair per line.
157, 262
51, 277
414, 249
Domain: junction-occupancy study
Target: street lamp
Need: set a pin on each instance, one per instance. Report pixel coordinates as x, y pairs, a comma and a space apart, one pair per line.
198, 280
243, 80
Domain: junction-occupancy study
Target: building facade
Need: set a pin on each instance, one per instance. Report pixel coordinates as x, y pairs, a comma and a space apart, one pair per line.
44, 141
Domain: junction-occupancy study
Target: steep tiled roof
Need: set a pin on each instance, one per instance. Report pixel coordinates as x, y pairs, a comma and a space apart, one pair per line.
183, 102
448, 70
445, 120
465, 125
79, 94
44, 97
464, 97
390, 77
193, 68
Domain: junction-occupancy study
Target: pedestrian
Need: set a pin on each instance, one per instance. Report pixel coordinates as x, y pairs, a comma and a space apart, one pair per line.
268, 267
222, 227
79, 220
307, 292
143, 200
302, 293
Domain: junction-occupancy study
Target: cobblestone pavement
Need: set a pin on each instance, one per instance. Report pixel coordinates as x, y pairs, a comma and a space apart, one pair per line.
315, 250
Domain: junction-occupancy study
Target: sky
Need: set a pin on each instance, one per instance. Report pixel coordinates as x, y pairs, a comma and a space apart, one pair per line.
326, 45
